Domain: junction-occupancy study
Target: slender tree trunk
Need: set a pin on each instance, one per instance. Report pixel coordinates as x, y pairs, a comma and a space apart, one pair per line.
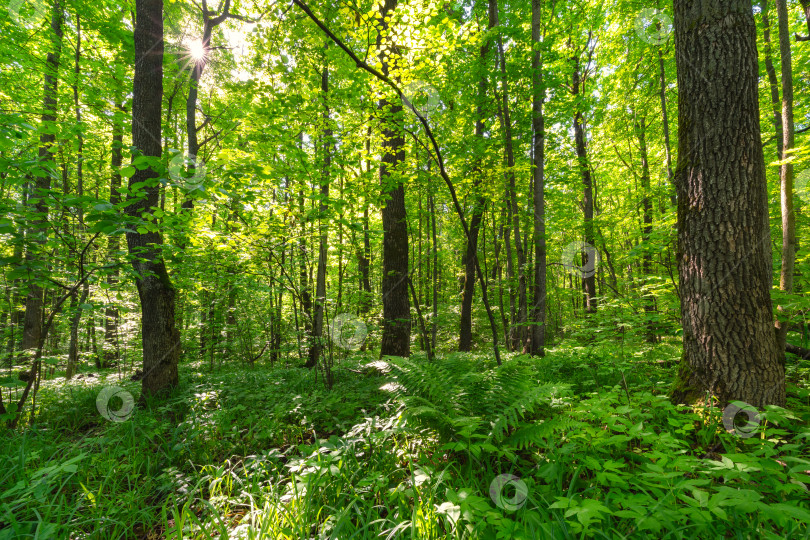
538, 329
646, 231
73, 356
396, 336
32, 329
588, 278
364, 260
316, 346
519, 326
724, 252
786, 169
161, 339
110, 348
662, 80
465, 330
435, 315
806, 9
772, 80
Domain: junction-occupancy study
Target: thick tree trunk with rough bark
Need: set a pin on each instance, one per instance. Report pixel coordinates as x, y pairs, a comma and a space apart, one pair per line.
724, 252
161, 339
396, 338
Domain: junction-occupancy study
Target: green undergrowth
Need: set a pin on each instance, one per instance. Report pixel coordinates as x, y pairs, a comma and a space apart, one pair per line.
405, 448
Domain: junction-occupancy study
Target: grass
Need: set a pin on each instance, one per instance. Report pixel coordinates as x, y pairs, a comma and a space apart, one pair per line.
598, 452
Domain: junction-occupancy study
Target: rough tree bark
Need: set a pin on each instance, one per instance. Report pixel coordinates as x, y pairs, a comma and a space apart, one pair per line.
160, 337
724, 252
396, 338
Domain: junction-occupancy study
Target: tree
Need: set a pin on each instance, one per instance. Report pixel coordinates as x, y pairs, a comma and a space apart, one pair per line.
581, 143
786, 169
538, 330
38, 198
316, 346
161, 340
724, 254
396, 339
471, 253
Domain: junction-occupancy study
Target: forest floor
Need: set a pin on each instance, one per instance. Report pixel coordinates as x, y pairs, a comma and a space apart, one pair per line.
582, 443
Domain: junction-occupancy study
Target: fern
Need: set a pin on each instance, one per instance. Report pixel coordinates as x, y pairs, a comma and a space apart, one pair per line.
450, 397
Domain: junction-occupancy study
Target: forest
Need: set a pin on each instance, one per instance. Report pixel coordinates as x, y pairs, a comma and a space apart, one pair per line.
434, 269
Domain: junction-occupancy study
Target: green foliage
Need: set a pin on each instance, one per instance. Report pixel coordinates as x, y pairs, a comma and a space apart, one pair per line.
269, 453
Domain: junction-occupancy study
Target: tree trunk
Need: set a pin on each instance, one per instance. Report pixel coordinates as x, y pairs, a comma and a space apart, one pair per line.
323, 221
32, 326
465, 330
364, 259
396, 338
435, 315
806, 9
73, 352
786, 169
111, 348
160, 337
772, 80
588, 278
519, 323
646, 205
662, 79
724, 253
538, 329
